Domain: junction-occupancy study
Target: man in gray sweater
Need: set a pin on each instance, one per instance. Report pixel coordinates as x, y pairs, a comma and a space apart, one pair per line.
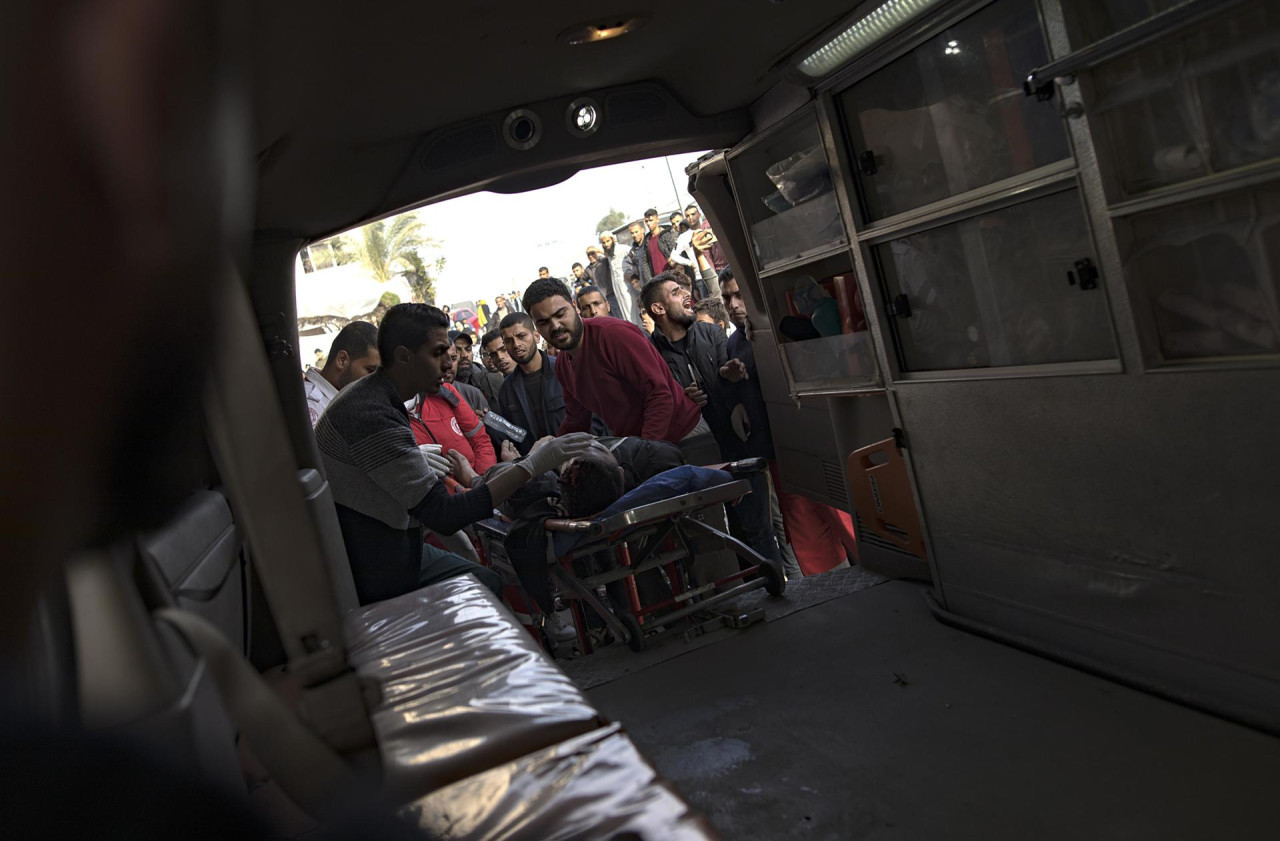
386, 490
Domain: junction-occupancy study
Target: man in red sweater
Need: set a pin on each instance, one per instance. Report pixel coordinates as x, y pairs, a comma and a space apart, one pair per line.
610, 367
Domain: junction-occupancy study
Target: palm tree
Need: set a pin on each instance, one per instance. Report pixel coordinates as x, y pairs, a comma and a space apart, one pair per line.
390, 247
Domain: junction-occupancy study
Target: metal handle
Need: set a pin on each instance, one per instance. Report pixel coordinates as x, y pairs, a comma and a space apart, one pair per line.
900, 306
1040, 81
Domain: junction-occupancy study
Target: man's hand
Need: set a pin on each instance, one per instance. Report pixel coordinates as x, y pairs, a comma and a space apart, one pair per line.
461, 468
695, 394
734, 370
508, 452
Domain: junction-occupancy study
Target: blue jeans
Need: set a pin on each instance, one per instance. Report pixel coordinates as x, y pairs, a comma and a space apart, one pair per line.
750, 522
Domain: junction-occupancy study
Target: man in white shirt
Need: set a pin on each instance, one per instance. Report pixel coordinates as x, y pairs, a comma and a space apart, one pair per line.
354, 354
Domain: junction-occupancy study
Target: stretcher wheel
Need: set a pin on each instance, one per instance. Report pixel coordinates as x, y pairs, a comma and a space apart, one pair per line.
635, 633
774, 581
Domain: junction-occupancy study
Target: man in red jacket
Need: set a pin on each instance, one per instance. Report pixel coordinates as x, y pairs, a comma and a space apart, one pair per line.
610, 367
445, 418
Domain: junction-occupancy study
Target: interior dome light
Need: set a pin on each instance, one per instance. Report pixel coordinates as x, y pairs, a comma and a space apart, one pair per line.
582, 117
864, 33
602, 30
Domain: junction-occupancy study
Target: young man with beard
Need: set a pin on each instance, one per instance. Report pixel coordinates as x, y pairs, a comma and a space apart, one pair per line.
820, 535
353, 354
610, 368
697, 356
531, 396
385, 491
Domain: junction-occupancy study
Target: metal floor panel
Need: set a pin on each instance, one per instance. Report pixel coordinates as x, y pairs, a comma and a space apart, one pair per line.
863, 718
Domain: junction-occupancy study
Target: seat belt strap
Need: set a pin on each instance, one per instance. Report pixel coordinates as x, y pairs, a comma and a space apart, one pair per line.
257, 465
306, 768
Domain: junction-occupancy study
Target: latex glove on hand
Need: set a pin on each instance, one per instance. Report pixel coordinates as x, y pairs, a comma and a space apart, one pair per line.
550, 453
438, 464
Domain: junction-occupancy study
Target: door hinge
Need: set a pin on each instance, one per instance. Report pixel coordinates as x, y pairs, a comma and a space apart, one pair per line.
1086, 274
899, 438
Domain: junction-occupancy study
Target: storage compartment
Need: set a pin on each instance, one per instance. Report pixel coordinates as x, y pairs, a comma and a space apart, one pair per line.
1205, 272
1014, 286
785, 193
821, 326
951, 116
1203, 100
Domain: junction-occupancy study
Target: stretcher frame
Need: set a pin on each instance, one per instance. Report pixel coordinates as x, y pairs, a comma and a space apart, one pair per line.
669, 530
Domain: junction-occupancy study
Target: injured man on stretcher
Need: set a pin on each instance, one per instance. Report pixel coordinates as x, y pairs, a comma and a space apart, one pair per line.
584, 487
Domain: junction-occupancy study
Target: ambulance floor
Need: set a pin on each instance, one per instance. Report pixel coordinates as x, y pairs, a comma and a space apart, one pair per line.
865, 718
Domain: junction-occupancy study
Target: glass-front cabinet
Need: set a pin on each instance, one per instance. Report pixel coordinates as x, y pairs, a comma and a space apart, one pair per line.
1013, 286
928, 172
972, 221
1187, 127
950, 116
1202, 101
787, 198
821, 326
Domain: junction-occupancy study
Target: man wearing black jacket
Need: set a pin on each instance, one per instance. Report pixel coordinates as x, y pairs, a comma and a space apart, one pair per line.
659, 242
530, 396
697, 355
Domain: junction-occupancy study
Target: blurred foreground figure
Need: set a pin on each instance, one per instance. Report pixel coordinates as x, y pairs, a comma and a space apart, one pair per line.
127, 132
134, 135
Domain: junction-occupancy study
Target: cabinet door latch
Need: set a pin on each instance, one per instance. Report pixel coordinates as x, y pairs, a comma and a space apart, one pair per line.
1086, 274
900, 307
867, 163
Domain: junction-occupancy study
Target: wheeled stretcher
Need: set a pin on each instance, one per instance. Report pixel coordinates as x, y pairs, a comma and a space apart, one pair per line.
670, 535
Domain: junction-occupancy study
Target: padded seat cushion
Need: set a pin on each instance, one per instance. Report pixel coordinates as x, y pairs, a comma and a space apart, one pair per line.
595, 786
464, 687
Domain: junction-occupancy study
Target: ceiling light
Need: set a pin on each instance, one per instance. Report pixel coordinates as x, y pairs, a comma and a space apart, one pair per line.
865, 32
582, 117
602, 30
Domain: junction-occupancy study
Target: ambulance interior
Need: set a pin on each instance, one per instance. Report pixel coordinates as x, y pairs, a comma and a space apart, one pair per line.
1036, 245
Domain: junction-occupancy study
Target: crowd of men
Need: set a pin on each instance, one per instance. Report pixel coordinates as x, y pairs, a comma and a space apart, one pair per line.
648, 344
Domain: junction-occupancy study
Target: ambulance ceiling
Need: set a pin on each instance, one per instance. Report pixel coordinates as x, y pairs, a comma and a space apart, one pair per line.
347, 94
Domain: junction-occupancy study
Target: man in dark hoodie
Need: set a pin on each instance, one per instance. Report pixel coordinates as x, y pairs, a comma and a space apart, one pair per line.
697, 356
